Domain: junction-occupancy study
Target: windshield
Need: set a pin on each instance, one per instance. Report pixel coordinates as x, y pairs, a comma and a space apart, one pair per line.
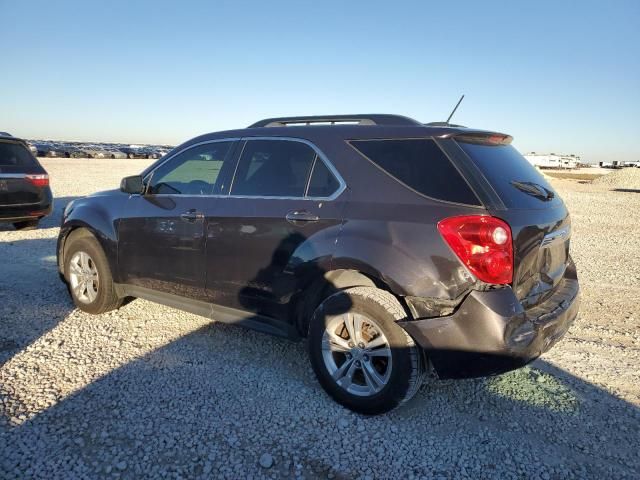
518, 183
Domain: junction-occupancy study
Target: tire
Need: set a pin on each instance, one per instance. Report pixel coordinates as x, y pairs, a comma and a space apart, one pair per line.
82, 251
394, 357
26, 225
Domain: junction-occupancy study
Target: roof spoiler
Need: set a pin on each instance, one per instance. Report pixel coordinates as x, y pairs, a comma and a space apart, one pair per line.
360, 119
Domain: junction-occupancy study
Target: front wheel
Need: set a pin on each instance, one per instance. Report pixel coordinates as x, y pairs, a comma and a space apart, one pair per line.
362, 358
88, 275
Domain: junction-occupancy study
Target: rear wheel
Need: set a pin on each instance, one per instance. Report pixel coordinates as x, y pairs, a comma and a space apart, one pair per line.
26, 225
361, 357
88, 275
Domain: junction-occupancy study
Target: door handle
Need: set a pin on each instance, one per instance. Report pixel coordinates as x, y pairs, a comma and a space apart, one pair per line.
301, 216
192, 215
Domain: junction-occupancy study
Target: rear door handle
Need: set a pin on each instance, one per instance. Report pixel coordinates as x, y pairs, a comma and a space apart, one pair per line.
301, 216
192, 215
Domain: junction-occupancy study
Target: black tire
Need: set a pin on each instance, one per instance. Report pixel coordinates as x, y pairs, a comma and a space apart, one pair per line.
26, 225
408, 370
106, 298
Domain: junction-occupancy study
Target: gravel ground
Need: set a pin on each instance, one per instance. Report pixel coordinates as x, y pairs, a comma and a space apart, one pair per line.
148, 391
624, 178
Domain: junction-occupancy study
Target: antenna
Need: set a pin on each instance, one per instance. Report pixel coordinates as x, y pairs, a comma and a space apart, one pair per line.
454, 109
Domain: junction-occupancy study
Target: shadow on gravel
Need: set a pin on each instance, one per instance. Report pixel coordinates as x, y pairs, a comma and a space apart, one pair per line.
32, 298
218, 398
628, 190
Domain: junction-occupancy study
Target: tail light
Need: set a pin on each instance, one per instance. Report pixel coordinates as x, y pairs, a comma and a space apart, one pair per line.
483, 244
38, 180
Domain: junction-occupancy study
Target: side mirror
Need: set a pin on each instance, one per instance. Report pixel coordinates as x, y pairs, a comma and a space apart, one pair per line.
132, 184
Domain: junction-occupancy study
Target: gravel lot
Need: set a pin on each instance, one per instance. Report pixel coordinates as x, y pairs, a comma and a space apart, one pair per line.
148, 391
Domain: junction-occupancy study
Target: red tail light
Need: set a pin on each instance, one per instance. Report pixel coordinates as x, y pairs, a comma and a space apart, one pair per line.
483, 244
38, 180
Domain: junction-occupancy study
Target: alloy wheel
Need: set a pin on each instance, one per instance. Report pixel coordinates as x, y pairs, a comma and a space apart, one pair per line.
83, 277
356, 354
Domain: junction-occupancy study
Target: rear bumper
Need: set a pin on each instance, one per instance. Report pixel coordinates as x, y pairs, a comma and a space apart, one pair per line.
32, 211
490, 333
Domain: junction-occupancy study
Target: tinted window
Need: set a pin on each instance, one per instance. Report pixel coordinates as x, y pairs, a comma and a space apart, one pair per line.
322, 183
15, 154
421, 165
511, 175
273, 168
192, 172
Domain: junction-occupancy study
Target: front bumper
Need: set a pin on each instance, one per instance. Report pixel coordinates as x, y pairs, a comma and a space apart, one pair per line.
490, 332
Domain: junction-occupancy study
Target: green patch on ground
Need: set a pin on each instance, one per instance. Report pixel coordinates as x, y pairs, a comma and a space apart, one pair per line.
534, 388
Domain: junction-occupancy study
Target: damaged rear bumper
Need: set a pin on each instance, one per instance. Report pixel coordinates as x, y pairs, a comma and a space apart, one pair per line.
491, 333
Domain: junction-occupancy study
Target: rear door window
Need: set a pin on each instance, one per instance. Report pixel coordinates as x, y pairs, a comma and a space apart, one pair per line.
273, 168
322, 183
420, 165
516, 181
15, 155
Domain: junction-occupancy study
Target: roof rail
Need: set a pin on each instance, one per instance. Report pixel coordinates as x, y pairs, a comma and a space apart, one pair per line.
443, 124
5, 134
360, 119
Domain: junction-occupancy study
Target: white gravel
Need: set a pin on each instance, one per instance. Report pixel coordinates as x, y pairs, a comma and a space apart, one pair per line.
148, 391
625, 178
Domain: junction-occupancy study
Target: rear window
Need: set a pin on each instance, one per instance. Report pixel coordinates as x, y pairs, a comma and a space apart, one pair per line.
15, 155
421, 166
516, 181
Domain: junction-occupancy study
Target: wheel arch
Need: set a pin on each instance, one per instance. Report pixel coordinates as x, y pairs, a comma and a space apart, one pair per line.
83, 229
325, 284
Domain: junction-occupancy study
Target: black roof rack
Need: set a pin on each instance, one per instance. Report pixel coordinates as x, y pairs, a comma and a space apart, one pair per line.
360, 119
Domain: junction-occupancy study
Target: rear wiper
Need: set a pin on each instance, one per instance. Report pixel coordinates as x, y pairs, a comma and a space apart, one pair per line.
534, 189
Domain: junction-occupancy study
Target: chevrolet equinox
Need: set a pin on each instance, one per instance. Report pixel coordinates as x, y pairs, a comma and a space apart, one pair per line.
395, 248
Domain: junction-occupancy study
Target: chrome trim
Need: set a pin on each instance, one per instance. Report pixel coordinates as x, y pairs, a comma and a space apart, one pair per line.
558, 235
14, 175
341, 188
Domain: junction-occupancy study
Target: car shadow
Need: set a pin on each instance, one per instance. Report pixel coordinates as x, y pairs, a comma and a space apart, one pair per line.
33, 300
164, 409
627, 190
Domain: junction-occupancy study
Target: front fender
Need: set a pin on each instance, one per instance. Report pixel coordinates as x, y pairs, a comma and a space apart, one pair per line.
100, 218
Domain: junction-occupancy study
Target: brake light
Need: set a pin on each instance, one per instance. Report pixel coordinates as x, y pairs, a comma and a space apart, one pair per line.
483, 244
38, 180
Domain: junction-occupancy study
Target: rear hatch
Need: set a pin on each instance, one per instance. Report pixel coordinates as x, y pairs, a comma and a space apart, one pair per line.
17, 164
539, 220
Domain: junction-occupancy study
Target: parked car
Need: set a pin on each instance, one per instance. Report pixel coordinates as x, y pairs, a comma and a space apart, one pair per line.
25, 195
115, 153
132, 152
33, 149
394, 247
50, 150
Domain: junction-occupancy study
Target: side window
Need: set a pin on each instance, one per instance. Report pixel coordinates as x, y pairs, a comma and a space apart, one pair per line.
322, 183
192, 172
420, 165
273, 168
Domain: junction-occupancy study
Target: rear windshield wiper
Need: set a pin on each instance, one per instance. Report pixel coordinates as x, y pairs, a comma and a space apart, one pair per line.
534, 189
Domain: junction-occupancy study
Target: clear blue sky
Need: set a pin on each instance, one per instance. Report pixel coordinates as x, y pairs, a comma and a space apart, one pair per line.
560, 76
